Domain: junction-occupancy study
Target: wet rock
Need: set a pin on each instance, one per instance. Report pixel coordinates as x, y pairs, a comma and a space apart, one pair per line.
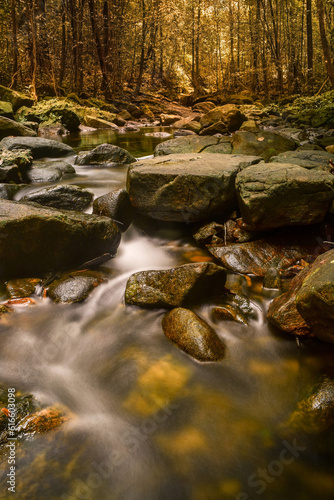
315, 414
9, 128
117, 206
185, 188
264, 143
280, 250
4, 310
64, 197
41, 422
315, 299
21, 302
50, 171
229, 114
105, 155
307, 159
175, 287
38, 146
278, 194
75, 286
182, 145
272, 279
8, 191
283, 311
193, 335
35, 240
330, 150
17, 99
10, 174
21, 288
226, 313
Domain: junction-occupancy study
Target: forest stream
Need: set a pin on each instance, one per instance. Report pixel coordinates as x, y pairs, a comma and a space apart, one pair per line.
145, 421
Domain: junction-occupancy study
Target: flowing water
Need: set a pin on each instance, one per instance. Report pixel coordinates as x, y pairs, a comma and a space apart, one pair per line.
146, 421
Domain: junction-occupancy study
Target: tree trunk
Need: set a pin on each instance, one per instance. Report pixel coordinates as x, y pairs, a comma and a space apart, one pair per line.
15, 46
99, 47
309, 37
324, 41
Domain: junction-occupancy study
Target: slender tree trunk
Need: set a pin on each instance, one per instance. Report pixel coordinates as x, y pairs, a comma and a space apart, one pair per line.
324, 41
99, 47
15, 45
309, 37
63, 44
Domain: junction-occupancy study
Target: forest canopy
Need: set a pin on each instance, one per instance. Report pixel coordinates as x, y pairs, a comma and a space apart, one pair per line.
274, 47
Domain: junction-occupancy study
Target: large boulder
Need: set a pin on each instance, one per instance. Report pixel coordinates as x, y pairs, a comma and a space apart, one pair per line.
115, 205
52, 171
315, 299
193, 335
38, 146
283, 312
278, 194
186, 188
306, 159
175, 287
17, 99
6, 109
229, 114
9, 128
182, 145
265, 144
64, 197
35, 240
280, 250
105, 155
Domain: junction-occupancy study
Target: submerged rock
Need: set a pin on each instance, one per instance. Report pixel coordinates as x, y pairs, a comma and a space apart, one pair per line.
75, 286
193, 335
315, 298
105, 155
52, 171
117, 206
175, 287
186, 188
38, 146
264, 143
315, 414
35, 240
64, 197
9, 128
278, 194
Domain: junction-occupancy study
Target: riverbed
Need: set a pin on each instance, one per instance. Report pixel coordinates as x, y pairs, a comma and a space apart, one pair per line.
146, 421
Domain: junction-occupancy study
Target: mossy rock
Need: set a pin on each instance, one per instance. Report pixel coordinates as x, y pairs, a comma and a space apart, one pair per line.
17, 99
